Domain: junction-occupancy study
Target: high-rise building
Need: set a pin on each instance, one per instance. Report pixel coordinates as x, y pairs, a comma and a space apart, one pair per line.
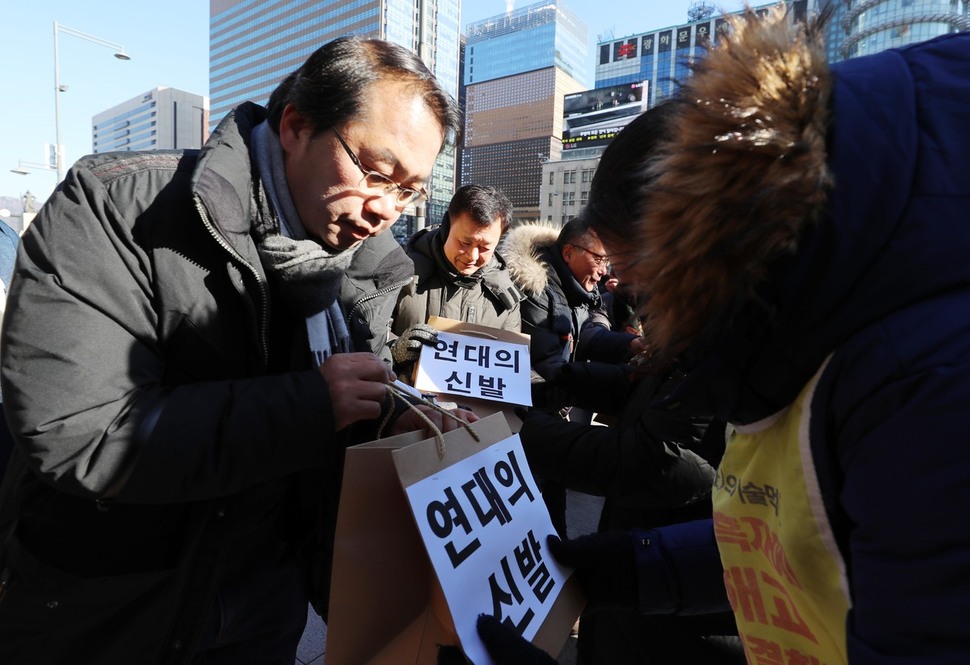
662, 57
857, 27
632, 74
657, 59
253, 44
861, 28
162, 118
517, 68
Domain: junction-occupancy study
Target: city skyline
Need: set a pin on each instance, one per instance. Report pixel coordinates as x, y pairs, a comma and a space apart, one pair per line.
167, 49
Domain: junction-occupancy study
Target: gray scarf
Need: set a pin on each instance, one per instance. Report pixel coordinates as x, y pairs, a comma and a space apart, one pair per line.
309, 273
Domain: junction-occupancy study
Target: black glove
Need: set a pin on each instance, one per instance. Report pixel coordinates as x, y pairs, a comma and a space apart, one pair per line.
449, 655
407, 347
606, 566
550, 396
507, 647
525, 414
504, 645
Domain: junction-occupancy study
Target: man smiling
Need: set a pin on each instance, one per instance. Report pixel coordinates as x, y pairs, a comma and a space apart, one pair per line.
458, 273
188, 348
558, 270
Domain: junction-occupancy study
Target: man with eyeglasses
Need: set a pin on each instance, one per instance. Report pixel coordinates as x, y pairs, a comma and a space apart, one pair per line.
188, 348
559, 271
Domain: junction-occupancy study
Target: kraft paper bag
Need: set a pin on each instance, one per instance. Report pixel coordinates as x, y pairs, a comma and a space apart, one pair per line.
386, 604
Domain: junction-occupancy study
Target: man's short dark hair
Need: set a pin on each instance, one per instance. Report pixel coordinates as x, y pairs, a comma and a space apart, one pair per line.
574, 232
484, 205
329, 88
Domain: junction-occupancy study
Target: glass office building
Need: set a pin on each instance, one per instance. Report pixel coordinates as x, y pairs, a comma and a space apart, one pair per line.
253, 44
856, 28
662, 57
545, 34
876, 25
518, 66
161, 119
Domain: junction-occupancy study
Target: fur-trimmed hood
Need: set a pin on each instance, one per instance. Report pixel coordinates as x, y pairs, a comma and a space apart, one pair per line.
521, 250
742, 176
793, 206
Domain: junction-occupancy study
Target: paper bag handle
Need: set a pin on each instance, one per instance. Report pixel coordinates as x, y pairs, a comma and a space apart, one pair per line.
393, 392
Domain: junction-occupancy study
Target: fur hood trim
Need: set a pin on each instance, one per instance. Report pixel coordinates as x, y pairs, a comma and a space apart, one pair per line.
741, 177
520, 248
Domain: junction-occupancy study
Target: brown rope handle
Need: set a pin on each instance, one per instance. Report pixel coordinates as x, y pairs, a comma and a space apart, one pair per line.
393, 392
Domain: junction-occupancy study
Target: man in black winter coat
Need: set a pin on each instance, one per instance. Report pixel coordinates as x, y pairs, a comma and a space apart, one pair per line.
188, 349
559, 271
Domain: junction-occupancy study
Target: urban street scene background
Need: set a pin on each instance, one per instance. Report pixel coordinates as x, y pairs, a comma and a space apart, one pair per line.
543, 88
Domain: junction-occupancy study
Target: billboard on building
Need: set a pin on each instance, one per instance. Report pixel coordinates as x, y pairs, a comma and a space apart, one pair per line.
593, 117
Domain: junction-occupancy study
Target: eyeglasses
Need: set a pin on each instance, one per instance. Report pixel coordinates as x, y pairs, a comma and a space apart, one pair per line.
598, 259
378, 182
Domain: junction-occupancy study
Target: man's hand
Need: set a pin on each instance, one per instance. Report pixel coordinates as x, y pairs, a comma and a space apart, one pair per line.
358, 386
637, 344
507, 647
407, 347
605, 564
550, 395
409, 421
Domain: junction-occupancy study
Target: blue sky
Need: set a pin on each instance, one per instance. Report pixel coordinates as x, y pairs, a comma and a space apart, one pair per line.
168, 45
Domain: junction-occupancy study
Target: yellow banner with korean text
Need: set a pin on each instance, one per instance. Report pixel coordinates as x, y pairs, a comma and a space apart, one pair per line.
784, 575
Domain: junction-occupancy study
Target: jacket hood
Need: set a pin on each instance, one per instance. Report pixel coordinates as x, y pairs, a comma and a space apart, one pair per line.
786, 212
740, 179
521, 248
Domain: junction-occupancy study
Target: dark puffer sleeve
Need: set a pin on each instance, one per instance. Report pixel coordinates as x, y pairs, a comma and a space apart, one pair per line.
83, 370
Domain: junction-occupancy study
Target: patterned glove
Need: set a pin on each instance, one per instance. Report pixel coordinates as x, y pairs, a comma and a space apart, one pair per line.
407, 347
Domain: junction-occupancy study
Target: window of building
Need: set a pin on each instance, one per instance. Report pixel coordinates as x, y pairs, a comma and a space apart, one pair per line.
604, 54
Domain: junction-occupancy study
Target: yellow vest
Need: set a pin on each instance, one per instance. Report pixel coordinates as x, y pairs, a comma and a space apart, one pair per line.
784, 575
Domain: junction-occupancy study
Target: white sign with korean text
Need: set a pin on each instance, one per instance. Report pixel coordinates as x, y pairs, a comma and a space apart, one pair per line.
472, 366
484, 525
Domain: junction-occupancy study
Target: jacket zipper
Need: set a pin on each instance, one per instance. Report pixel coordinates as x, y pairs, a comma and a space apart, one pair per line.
375, 294
4, 582
263, 297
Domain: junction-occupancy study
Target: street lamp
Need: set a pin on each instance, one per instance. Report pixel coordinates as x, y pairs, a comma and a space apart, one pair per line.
58, 88
24, 167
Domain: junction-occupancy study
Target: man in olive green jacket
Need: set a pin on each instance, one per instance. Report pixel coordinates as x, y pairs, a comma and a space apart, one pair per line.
457, 273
